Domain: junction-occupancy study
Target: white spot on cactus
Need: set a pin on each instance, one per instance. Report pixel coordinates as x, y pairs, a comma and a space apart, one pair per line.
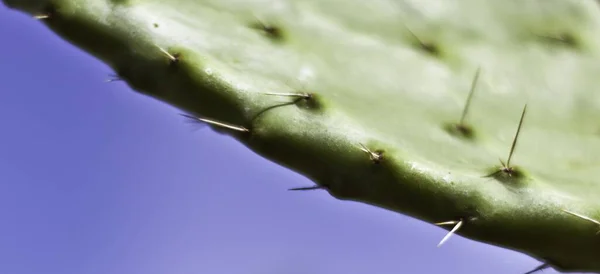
280, 6
241, 87
433, 8
208, 71
447, 178
306, 73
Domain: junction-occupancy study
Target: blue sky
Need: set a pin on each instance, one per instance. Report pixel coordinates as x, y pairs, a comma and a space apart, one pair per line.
96, 179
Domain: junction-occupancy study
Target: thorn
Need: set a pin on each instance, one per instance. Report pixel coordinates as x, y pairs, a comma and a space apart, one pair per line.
583, 217
374, 156
171, 57
113, 78
307, 188
564, 38
194, 121
494, 173
539, 268
216, 123
558, 38
514, 143
41, 16
447, 223
267, 28
461, 123
426, 46
457, 225
260, 21
506, 168
415, 36
502, 169
302, 95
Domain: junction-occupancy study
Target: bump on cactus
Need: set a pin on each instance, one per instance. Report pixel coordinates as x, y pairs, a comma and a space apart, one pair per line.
402, 104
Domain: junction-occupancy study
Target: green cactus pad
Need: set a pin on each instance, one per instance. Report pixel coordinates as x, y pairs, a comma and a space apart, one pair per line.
392, 76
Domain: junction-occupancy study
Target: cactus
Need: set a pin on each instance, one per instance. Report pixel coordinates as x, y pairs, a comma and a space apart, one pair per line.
402, 104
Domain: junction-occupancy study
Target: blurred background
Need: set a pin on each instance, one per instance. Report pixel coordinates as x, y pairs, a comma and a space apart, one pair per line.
97, 179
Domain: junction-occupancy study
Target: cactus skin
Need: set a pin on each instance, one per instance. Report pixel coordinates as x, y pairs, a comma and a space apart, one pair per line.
395, 83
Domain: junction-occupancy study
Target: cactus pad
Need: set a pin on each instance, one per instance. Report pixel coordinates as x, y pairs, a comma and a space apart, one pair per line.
368, 99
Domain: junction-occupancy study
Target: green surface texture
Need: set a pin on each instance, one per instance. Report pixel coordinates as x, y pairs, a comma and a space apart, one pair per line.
394, 76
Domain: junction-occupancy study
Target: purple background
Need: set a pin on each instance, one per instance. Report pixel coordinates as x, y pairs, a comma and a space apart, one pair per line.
95, 178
